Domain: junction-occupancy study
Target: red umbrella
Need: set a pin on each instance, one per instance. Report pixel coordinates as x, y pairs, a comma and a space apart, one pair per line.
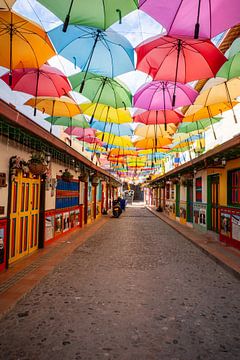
90, 140
80, 132
43, 81
179, 59
153, 117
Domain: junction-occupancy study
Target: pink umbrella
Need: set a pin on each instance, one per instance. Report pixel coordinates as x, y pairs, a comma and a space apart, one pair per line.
154, 117
193, 18
157, 95
45, 81
90, 140
80, 132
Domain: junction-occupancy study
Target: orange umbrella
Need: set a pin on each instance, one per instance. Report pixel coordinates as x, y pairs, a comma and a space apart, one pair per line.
153, 143
25, 43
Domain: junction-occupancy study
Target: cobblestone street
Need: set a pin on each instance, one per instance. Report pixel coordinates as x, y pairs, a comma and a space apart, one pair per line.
136, 290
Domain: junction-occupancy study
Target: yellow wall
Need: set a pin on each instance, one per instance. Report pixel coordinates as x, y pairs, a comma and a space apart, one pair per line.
232, 164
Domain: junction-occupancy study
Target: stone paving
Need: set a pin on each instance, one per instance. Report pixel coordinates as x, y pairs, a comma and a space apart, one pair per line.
135, 290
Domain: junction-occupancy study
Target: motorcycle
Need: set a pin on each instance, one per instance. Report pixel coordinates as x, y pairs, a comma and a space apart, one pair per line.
116, 211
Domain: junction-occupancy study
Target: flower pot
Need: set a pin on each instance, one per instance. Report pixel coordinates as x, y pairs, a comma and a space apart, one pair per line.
95, 180
83, 177
37, 168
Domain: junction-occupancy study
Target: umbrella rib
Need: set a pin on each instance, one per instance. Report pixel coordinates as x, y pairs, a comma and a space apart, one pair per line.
176, 13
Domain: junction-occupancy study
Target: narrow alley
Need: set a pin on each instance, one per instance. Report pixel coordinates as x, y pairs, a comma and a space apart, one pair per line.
135, 290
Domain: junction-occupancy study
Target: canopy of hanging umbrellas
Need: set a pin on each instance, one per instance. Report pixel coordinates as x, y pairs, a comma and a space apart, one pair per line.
129, 102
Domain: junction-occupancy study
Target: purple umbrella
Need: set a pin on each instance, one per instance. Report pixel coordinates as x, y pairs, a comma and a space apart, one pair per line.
194, 18
158, 95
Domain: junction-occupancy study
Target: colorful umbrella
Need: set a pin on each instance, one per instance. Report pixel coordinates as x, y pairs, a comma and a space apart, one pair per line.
105, 52
63, 106
153, 117
225, 92
80, 132
101, 89
45, 81
90, 140
194, 18
98, 13
199, 125
154, 131
123, 141
195, 112
178, 59
76, 121
106, 113
115, 129
152, 143
25, 44
231, 68
122, 152
158, 95
6, 5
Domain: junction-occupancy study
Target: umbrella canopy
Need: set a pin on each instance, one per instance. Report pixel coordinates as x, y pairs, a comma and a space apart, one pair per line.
158, 95
199, 125
45, 81
197, 112
101, 89
90, 140
153, 117
105, 52
76, 121
106, 113
122, 152
152, 143
98, 13
123, 141
194, 18
225, 92
115, 129
179, 59
25, 44
231, 68
63, 106
154, 131
6, 5
80, 132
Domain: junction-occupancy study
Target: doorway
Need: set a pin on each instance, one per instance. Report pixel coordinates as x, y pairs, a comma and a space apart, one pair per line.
213, 202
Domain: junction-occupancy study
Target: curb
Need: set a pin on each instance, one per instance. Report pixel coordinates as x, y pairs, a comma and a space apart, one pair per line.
218, 258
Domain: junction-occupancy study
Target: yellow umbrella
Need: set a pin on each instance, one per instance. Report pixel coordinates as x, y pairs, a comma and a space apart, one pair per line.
122, 152
6, 5
197, 112
63, 106
22, 43
154, 131
110, 139
106, 113
152, 143
228, 91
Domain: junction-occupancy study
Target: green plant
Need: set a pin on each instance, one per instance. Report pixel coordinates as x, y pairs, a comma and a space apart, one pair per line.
38, 158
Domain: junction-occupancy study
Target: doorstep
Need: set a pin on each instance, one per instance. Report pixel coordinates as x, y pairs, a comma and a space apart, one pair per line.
208, 242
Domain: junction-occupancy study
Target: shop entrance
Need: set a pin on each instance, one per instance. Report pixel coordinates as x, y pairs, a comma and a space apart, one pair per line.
213, 202
24, 215
190, 201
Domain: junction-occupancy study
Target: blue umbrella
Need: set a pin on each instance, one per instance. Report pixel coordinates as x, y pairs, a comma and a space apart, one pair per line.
115, 129
106, 53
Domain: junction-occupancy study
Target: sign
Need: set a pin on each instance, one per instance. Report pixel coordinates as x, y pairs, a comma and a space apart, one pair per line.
236, 227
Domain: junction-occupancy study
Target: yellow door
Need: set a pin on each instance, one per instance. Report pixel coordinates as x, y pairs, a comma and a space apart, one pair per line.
24, 217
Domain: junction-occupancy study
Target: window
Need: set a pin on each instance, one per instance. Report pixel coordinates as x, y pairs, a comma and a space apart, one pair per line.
234, 187
198, 184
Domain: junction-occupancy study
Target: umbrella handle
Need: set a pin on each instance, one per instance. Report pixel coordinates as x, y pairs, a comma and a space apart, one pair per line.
197, 25
67, 19
120, 15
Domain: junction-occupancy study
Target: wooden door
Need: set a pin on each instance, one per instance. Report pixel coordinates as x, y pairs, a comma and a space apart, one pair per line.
190, 201
24, 216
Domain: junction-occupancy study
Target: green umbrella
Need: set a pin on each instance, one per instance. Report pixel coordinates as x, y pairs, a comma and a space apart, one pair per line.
77, 121
187, 127
98, 13
101, 89
230, 68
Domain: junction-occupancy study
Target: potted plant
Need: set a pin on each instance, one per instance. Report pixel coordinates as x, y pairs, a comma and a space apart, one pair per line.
95, 180
66, 175
83, 177
37, 163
